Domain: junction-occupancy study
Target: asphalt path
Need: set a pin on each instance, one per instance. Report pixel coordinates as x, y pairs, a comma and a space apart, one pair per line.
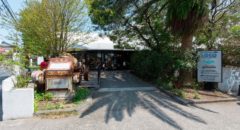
124, 102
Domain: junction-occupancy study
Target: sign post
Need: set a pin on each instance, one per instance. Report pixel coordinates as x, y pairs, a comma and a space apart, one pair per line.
210, 67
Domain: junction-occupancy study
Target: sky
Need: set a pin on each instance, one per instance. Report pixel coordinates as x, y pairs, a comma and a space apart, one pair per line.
16, 6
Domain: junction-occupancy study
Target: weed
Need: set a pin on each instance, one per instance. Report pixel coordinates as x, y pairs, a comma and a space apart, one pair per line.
196, 95
80, 95
41, 97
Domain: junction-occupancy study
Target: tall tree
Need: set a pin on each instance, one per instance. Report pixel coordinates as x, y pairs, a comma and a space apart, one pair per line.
221, 15
47, 27
137, 21
184, 18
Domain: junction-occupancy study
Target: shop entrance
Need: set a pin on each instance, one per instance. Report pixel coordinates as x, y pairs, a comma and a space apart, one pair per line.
110, 59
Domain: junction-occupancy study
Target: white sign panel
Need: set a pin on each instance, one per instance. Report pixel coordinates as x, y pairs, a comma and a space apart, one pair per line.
59, 83
60, 66
40, 60
210, 66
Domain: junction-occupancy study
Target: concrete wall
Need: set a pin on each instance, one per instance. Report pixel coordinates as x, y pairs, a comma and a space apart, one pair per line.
16, 102
231, 79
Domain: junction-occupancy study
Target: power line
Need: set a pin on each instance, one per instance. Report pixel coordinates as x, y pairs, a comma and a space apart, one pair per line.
8, 8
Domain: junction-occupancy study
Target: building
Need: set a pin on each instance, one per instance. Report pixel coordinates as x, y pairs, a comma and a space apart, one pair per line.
102, 51
5, 47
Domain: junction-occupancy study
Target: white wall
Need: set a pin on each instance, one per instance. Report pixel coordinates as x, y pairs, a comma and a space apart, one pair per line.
16, 102
231, 79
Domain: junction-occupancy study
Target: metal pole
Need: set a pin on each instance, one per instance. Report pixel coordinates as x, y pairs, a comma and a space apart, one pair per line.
239, 90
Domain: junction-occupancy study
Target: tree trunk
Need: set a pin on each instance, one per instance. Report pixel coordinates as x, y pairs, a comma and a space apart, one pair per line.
186, 75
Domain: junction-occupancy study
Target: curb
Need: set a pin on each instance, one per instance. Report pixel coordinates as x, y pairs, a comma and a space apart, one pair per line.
176, 98
191, 102
215, 101
55, 111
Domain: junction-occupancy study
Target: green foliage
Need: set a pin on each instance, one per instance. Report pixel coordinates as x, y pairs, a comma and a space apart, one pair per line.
196, 95
54, 106
169, 86
43, 96
185, 17
36, 105
235, 30
80, 94
130, 21
48, 96
179, 92
47, 26
151, 65
22, 81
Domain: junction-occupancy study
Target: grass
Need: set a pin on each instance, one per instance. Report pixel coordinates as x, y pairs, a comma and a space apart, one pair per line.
51, 106
177, 91
80, 95
196, 95
41, 97
44, 101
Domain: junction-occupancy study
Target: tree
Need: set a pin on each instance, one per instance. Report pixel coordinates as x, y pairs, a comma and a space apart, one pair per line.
218, 32
139, 22
164, 26
221, 15
184, 18
47, 27
231, 47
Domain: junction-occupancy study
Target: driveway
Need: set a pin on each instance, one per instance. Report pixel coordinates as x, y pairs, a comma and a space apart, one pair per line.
118, 105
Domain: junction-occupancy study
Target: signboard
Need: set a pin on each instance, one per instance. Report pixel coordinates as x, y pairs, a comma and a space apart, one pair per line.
40, 60
60, 66
210, 66
59, 83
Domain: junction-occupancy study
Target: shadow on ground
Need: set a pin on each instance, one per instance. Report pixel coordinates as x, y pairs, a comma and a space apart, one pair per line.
154, 102
118, 102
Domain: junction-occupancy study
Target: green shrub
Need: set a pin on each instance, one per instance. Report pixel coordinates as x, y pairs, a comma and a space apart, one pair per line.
22, 81
151, 65
196, 95
59, 106
179, 92
38, 96
41, 97
80, 94
36, 105
48, 96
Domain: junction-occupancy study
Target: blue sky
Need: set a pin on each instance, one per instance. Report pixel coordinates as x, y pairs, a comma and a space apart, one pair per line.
16, 6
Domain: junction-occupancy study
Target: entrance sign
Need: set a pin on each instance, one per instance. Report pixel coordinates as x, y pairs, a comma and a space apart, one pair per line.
210, 66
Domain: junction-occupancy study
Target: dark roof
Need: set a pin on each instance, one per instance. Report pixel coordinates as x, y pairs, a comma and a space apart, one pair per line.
5, 44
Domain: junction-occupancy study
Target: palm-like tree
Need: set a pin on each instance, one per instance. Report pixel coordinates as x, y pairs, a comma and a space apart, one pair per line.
184, 17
